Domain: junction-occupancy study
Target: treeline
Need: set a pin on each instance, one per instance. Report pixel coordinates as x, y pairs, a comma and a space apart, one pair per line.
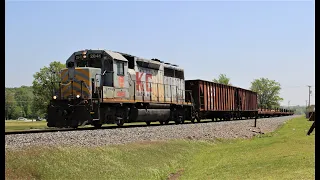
18, 103
299, 110
32, 101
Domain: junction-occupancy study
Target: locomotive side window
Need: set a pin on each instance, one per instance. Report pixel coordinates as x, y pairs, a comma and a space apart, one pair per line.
108, 77
70, 64
120, 68
130, 61
179, 74
108, 65
168, 72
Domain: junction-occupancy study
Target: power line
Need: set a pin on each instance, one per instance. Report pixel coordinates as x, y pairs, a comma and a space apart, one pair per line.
300, 86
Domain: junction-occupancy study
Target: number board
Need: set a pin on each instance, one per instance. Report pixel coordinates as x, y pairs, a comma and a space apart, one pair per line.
77, 57
90, 56
95, 55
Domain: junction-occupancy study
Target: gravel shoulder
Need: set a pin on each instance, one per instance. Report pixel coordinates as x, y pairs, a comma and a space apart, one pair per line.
89, 138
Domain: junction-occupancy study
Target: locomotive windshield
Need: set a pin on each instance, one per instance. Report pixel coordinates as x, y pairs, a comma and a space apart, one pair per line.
82, 63
90, 60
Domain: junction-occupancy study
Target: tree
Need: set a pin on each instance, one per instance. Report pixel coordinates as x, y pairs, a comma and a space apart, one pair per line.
223, 79
23, 97
17, 112
9, 103
44, 83
268, 92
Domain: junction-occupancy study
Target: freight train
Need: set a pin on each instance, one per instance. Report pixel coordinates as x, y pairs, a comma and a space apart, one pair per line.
106, 87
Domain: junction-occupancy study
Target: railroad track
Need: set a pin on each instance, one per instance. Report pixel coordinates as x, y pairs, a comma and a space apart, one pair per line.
83, 128
105, 127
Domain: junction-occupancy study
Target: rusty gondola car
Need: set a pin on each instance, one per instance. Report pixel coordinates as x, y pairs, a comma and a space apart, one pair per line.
218, 101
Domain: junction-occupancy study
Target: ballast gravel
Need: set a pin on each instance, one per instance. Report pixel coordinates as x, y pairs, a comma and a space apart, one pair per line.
100, 137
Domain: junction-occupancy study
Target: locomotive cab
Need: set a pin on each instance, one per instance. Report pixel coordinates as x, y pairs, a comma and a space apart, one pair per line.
89, 76
94, 69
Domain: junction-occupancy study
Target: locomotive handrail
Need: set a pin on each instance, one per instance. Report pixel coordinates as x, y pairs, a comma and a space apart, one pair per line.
153, 91
179, 94
65, 84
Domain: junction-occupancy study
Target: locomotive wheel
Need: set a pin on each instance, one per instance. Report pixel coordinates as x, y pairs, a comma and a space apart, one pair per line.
193, 118
120, 122
161, 122
182, 121
50, 125
74, 124
148, 123
96, 124
197, 117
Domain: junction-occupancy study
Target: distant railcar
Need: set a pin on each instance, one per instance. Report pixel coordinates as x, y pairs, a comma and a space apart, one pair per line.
274, 112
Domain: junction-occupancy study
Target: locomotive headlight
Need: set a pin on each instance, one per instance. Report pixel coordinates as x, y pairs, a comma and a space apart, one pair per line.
54, 97
78, 96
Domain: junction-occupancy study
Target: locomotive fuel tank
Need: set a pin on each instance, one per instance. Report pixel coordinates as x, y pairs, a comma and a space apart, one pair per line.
149, 115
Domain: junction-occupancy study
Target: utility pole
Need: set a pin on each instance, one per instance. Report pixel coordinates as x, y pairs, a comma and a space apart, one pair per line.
288, 104
309, 93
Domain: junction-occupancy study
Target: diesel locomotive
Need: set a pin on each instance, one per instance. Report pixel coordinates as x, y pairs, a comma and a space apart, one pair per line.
102, 86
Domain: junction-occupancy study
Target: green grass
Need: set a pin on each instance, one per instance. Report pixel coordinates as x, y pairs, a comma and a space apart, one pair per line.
15, 125
285, 154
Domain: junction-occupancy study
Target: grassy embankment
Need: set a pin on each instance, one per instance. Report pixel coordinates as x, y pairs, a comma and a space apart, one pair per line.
16, 125
285, 154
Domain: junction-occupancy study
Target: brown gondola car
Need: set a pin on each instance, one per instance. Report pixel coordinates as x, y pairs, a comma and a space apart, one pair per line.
213, 100
104, 87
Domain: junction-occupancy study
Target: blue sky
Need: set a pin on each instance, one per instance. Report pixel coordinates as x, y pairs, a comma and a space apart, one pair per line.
243, 39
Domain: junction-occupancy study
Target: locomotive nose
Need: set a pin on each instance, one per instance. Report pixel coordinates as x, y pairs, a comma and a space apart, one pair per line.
56, 117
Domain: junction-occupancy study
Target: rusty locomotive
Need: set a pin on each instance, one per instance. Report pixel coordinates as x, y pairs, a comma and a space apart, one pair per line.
101, 87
